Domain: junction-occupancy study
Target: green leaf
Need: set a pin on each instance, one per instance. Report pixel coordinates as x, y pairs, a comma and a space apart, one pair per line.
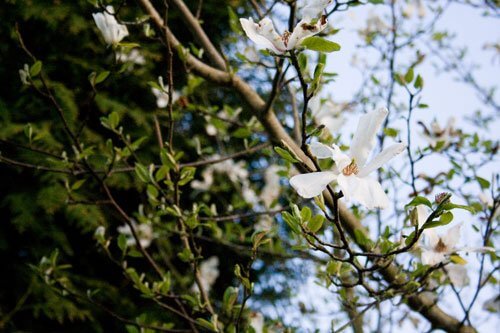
456, 259
234, 22
206, 324
483, 183
187, 174
419, 82
450, 206
444, 219
320, 44
285, 155
409, 75
305, 214
419, 201
101, 77
77, 184
142, 172
122, 242
36, 68
316, 223
291, 221
113, 120
392, 132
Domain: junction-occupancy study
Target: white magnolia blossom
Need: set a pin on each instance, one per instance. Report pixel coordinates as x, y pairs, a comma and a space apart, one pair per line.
112, 31
209, 272
134, 57
458, 275
162, 96
414, 6
313, 8
264, 34
352, 171
236, 172
271, 190
265, 223
257, 322
327, 113
144, 232
438, 134
437, 249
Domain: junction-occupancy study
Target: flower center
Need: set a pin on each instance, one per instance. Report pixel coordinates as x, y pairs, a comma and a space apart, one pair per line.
285, 37
351, 169
440, 246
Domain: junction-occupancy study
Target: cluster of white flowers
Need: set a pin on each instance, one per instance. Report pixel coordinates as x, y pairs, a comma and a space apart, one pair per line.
144, 232
133, 57
264, 34
209, 272
112, 31
351, 172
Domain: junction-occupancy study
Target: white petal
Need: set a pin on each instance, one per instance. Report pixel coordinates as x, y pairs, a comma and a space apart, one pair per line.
314, 8
304, 29
312, 184
341, 159
314, 105
432, 258
452, 237
321, 151
422, 214
379, 160
432, 239
263, 34
364, 138
365, 191
332, 123
458, 275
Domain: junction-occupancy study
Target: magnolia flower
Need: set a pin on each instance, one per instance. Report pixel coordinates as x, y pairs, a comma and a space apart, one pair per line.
162, 97
437, 249
144, 232
264, 34
134, 57
236, 172
265, 223
417, 5
112, 31
487, 201
458, 275
352, 171
438, 134
209, 272
314, 8
271, 190
257, 322
328, 113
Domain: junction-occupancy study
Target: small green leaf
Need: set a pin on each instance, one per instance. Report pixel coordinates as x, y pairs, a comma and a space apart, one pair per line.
36, 68
122, 242
456, 259
419, 82
101, 77
113, 120
483, 183
316, 223
142, 172
419, 201
320, 44
77, 184
285, 155
409, 75
305, 214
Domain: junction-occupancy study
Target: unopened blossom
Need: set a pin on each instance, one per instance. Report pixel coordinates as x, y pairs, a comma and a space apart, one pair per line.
112, 31
264, 34
352, 170
144, 233
437, 134
24, 74
437, 249
486, 199
209, 272
328, 113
